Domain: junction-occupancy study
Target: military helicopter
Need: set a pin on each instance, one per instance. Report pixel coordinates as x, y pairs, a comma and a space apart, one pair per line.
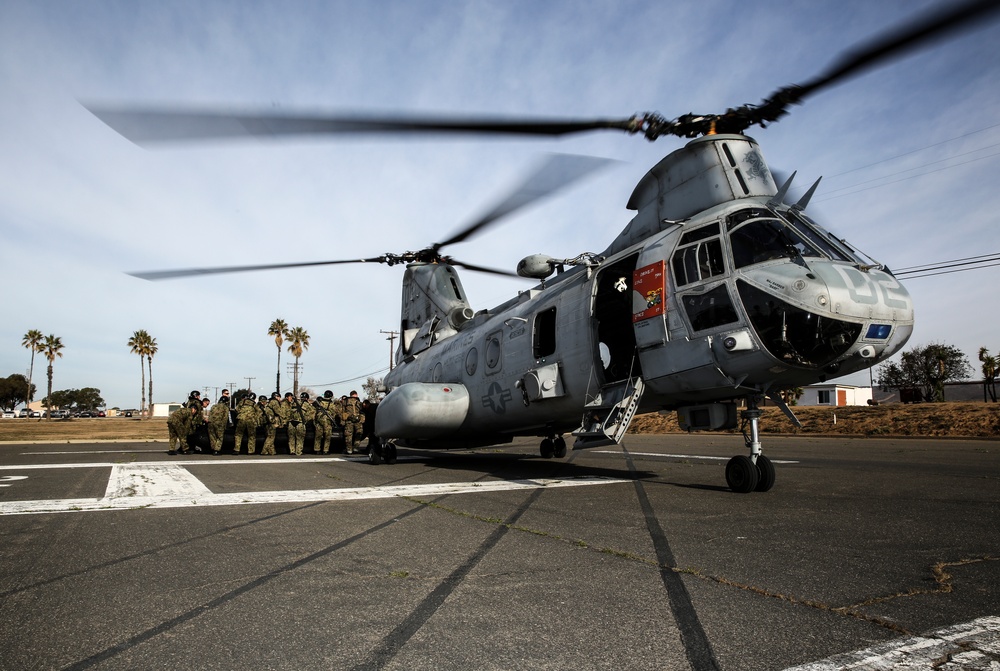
717, 290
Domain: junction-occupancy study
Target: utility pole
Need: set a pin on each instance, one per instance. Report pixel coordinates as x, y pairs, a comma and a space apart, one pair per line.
249, 383
295, 369
392, 346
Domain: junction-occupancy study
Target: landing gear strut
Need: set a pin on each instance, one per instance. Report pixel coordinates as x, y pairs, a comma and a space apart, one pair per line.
553, 446
754, 473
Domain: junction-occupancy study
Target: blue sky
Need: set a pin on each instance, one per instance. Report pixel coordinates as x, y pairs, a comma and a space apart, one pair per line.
79, 205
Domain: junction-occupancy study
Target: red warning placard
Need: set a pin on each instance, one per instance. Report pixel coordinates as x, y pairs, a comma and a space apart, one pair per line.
648, 287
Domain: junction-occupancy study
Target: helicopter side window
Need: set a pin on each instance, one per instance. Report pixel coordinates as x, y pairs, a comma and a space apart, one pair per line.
545, 333
762, 240
698, 256
710, 309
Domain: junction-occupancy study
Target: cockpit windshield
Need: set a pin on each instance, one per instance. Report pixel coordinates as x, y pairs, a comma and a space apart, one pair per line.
756, 240
810, 230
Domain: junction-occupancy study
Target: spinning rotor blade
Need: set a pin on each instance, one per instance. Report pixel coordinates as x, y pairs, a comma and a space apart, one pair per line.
152, 125
557, 172
153, 275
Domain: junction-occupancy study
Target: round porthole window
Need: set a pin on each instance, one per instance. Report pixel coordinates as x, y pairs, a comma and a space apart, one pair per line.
471, 361
492, 352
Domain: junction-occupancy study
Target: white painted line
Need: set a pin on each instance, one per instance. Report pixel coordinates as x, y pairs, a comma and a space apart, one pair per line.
128, 501
973, 645
153, 480
685, 456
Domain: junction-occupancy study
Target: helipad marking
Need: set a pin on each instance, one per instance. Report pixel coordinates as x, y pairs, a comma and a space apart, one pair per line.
685, 456
169, 485
972, 645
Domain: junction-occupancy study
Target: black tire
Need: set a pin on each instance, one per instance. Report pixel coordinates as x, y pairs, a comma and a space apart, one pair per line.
375, 452
741, 474
765, 470
546, 449
559, 448
389, 453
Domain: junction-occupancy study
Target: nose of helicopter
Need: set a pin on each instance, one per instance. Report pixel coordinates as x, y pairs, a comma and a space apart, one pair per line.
827, 315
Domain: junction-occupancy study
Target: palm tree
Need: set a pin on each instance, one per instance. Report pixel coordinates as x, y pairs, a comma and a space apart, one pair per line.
151, 349
990, 368
137, 345
299, 343
278, 329
52, 348
33, 341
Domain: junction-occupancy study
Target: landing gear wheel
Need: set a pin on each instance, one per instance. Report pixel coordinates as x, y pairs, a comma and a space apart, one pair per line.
741, 474
389, 453
547, 449
765, 469
375, 453
559, 448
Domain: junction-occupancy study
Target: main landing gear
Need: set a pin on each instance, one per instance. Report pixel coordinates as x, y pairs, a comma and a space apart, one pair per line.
379, 451
754, 473
553, 446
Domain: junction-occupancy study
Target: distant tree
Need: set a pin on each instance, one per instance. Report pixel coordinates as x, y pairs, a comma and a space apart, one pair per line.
298, 343
33, 341
137, 345
88, 398
51, 348
791, 395
991, 364
13, 390
151, 349
926, 369
278, 329
372, 388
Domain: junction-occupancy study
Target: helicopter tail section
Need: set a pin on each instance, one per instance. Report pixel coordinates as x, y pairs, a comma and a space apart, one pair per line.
608, 416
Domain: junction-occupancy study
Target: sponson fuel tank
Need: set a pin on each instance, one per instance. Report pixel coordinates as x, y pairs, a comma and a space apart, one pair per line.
422, 410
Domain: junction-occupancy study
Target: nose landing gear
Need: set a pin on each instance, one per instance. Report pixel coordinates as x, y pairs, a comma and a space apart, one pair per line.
746, 474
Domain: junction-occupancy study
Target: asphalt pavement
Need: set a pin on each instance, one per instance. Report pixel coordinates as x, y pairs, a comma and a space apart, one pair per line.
118, 556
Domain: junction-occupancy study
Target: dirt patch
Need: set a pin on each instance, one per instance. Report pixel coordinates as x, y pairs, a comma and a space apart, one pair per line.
971, 420
98, 428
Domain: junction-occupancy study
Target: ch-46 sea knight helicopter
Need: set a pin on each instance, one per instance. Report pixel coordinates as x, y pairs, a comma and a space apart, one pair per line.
718, 290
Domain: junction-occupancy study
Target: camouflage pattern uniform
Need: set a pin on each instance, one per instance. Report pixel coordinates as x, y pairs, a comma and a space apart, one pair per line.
273, 422
299, 414
179, 427
218, 420
353, 423
246, 424
325, 419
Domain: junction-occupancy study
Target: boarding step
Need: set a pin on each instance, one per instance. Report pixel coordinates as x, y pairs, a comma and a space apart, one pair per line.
607, 417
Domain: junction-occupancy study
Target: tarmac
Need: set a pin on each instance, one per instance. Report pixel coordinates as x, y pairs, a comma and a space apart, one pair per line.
867, 554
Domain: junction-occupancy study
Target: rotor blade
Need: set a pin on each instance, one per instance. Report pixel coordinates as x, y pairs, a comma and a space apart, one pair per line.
482, 269
164, 125
896, 43
557, 172
153, 275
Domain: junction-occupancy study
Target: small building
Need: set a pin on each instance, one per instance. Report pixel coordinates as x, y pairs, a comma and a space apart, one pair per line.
165, 409
835, 395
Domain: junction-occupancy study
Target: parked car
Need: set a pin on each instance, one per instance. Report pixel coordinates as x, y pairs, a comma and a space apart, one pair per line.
9, 414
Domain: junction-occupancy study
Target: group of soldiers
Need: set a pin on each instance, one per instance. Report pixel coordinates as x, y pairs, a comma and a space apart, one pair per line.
327, 413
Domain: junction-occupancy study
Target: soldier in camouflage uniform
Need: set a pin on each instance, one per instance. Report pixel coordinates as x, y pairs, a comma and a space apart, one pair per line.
246, 423
218, 420
194, 398
353, 423
272, 422
179, 427
299, 414
325, 422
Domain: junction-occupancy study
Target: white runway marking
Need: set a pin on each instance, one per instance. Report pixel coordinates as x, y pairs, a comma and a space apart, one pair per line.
170, 485
685, 456
973, 645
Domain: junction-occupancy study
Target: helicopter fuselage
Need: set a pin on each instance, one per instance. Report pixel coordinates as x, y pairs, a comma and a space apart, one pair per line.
715, 291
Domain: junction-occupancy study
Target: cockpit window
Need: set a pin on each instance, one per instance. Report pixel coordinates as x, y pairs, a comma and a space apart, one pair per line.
699, 255
810, 230
759, 240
